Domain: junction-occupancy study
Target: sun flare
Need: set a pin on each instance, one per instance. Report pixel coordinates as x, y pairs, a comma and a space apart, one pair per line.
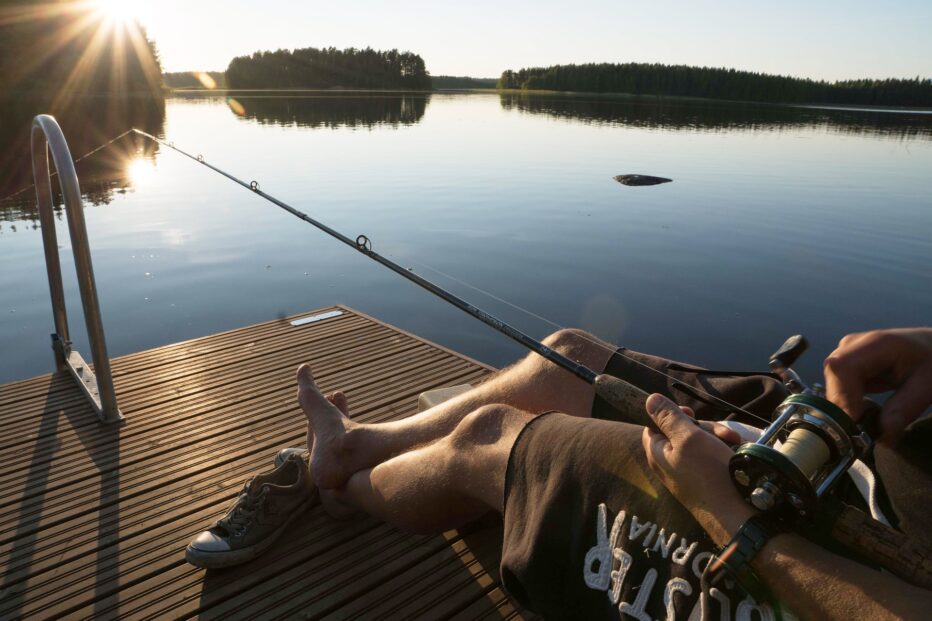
140, 171
120, 12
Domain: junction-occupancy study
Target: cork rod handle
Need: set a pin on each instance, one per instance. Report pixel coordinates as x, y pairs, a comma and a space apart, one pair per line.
885, 546
627, 398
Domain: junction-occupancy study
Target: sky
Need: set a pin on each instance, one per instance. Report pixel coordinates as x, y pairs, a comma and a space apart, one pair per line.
818, 39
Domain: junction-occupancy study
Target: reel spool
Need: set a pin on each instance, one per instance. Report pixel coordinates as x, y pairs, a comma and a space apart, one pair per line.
803, 453
799, 457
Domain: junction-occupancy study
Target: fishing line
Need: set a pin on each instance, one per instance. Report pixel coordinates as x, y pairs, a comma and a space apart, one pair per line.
586, 337
363, 245
85, 156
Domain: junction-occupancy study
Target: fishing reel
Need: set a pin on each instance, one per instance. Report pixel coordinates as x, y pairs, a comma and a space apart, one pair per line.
803, 453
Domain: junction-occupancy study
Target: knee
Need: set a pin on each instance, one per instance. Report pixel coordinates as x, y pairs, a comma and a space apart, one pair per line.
485, 425
571, 342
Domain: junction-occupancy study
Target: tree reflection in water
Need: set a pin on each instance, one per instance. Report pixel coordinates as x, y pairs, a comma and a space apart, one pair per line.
363, 110
87, 122
710, 116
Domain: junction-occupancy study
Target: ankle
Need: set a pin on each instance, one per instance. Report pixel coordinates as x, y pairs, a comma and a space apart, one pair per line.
353, 437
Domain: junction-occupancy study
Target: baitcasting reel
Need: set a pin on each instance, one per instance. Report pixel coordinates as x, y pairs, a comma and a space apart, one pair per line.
802, 454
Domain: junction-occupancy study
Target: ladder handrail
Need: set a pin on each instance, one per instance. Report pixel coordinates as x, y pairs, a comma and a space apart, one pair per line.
47, 137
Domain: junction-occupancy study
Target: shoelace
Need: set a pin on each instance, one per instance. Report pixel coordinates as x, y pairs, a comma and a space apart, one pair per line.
241, 515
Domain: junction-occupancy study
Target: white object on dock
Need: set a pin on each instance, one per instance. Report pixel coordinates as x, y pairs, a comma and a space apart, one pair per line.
313, 318
430, 398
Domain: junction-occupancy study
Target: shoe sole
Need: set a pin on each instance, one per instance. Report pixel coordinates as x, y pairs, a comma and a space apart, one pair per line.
217, 560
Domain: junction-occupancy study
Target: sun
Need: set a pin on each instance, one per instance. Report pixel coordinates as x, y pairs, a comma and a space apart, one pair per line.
140, 171
120, 12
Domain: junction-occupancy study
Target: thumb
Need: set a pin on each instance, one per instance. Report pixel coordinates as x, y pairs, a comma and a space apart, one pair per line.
669, 417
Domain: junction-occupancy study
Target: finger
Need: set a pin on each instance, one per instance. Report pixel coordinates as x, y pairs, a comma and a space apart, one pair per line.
850, 368
645, 443
688, 411
723, 433
906, 404
843, 386
655, 445
670, 419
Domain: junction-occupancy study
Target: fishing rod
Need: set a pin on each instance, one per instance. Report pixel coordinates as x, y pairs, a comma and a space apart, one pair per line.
621, 395
788, 472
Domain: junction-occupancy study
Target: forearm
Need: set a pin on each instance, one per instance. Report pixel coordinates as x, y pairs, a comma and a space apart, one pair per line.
817, 584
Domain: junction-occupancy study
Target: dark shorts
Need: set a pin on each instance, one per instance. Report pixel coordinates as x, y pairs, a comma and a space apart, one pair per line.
590, 533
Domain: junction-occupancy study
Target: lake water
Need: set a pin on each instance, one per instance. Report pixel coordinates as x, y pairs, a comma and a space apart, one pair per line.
778, 221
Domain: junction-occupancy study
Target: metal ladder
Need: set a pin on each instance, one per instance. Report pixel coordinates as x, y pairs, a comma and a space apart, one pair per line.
96, 384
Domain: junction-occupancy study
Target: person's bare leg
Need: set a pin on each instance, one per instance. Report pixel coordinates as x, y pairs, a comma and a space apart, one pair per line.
533, 385
445, 484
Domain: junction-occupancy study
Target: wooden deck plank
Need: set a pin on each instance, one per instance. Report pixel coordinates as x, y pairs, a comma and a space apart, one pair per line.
230, 386
94, 519
182, 368
201, 467
106, 457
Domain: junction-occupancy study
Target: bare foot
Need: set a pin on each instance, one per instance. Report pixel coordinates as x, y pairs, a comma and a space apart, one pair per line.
336, 398
329, 423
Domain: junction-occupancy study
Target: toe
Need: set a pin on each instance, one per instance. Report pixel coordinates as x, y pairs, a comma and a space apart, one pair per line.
339, 399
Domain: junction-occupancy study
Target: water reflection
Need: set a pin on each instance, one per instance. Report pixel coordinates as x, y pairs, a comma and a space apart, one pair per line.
329, 111
699, 115
87, 123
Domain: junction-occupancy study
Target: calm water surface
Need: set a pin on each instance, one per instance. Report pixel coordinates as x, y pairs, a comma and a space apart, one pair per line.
778, 221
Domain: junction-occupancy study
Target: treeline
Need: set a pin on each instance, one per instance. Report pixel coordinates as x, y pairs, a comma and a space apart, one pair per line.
195, 79
715, 83
453, 81
312, 68
69, 48
715, 116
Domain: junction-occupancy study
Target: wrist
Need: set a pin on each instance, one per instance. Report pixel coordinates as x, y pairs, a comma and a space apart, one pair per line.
722, 522
735, 557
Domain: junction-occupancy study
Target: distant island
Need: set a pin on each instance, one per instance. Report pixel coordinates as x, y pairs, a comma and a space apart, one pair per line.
314, 68
716, 83
218, 79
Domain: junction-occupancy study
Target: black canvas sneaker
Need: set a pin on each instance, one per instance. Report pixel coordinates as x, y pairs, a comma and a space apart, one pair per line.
268, 504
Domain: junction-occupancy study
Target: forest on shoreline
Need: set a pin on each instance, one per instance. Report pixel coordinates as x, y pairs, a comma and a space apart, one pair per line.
314, 68
199, 80
717, 83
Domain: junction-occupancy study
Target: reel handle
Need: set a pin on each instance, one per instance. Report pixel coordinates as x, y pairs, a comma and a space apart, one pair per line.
790, 351
626, 398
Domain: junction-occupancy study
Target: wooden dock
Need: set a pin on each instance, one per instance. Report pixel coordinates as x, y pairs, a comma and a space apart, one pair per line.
94, 519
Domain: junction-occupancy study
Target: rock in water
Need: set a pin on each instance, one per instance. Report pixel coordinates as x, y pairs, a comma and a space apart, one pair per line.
641, 180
